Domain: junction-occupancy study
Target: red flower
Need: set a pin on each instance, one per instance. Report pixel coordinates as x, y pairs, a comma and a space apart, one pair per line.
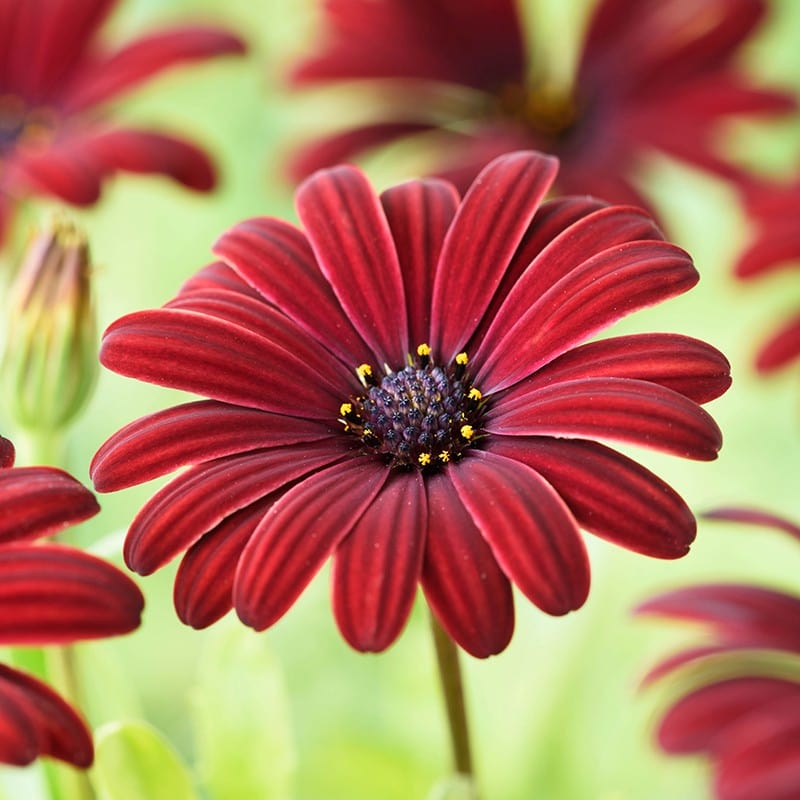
346, 419
50, 594
54, 74
654, 75
746, 717
773, 210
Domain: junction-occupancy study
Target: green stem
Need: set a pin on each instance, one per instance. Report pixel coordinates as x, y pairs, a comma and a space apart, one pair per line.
453, 691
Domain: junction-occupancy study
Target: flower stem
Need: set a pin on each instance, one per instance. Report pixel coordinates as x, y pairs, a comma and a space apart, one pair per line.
453, 691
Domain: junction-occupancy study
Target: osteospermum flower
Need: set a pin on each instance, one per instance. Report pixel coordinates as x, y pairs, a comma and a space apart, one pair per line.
50, 594
401, 385
774, 244
742, 710
56, 75
653, 75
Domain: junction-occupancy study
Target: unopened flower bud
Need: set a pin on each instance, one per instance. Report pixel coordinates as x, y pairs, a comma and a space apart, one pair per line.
50, 359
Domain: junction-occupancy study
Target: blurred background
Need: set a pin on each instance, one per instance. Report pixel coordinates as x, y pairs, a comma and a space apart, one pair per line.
294, 712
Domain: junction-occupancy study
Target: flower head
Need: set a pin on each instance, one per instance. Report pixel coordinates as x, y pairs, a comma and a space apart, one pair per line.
742, 708
402, 385
55, 77
50, 594
653, 75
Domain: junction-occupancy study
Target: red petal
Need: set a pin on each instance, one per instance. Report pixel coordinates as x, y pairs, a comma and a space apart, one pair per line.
782, 348
6, 453
610, 408
298, 534
377, 567
464, 586
35, 721
348, 231
162, 442
754, 516
609, 494
419, 215
40, 501
530, 530
53, 594
481, 242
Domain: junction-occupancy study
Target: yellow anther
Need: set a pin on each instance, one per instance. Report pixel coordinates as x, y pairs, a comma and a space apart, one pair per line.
424, 459
444, 456
423, 349
345, 409
467, 432
364, 370
462, 359
474, 394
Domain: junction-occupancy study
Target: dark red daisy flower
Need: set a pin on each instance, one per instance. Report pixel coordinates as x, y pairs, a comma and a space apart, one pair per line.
743, 708
55, 75
654, 75
50, 594
402, 385
773, 210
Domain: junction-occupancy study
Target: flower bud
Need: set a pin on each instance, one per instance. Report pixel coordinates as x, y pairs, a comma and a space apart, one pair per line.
50, 360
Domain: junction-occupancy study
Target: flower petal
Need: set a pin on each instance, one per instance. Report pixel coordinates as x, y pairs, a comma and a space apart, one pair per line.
35, 721
6, 453
40, 501
201, 497
298, 533
54, 594
463, 584
754, 516
377, 567
162, 442
781, 348
348, 231
609, 494
481, 242
419, 215
633, 411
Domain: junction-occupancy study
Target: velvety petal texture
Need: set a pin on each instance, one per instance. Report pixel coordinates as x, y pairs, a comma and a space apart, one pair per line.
404, 386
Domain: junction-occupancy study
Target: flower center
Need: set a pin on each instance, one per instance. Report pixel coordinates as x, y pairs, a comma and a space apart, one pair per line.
546, 109
424, 415
19, 123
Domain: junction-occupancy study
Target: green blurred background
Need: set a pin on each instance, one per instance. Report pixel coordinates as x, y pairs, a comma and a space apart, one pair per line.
294, 712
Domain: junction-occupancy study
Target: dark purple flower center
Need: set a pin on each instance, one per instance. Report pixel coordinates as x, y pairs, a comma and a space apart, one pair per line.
424, 415
547, 110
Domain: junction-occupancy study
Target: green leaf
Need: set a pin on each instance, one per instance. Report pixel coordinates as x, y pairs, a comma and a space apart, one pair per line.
241, 719
133, 761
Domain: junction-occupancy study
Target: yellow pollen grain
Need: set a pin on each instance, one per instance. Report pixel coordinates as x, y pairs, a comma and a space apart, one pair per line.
345, 409
424, 459
364, 371
444, 456
462, 359
423, 349
467, 432
474, 394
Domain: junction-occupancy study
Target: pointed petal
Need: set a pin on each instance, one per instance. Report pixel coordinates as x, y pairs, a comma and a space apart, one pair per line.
754, 516
782, 348
35, 721
609, 494
201, 497
377, 567
162, 442
53, 594
419, 215
610, 408
40, 501
463, 584
298, 534
348, 231
481, 242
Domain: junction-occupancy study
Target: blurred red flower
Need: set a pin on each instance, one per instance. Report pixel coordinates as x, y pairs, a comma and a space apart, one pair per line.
402, 385
50, 594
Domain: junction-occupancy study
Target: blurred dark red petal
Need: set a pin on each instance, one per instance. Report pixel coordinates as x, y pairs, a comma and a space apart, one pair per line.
488, 227
54, 594
463, 584
6, 453
109, 76
698, 721
348, 231
781, 348
622, 409
203, 591
419, 214
40, 501
377, 567
298, 534
223, 361
610, 495
191, 433
754, 516
682, 658
740, 614
777, 243
530, 530
599, 291
276, 259
35, 721
201, 497
685, 365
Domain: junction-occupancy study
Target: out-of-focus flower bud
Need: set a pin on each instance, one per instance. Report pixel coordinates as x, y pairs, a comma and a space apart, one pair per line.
50, 359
